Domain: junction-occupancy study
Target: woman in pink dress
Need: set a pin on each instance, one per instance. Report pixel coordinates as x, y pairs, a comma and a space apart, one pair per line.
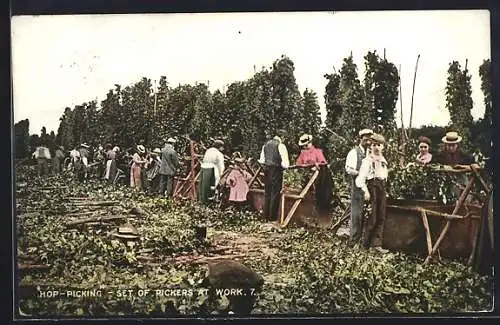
237, 182
310, 155
138, 162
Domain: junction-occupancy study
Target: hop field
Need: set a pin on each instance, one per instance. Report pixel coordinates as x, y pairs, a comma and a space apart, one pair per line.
68, 231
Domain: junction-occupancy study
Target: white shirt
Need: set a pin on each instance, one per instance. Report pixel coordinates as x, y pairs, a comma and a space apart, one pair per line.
74, 153
351, 161
285, 163
42, 152
213, 158
371, 169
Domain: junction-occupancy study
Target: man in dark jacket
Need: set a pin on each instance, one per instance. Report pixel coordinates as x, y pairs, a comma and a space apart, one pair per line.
274, 157
168, 168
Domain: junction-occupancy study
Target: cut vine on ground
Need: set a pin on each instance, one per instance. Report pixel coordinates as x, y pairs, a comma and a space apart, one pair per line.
305, 270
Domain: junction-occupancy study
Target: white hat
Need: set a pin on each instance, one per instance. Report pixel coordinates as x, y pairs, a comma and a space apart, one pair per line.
365, 132
451, 137
218, 142
141, 148
305, 139
84, 145
116, 149
171, 140
157, 150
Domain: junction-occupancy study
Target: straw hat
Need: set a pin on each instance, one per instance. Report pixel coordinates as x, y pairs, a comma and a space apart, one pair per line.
305, 139
171, 140
141, 148
85, 145
157, 150
378, 138
365, 132
451, 137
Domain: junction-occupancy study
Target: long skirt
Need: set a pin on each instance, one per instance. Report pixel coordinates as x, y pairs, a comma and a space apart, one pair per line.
135, 177
207, 185
110, 171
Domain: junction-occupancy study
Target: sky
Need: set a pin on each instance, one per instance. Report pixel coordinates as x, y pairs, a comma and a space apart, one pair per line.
63, 61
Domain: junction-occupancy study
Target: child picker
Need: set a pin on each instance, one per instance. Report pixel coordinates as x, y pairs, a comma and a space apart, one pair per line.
237, 183
372, 180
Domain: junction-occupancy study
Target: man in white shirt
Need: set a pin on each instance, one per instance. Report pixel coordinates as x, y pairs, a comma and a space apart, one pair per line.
212, 168
352, 166
274, 157
42, 156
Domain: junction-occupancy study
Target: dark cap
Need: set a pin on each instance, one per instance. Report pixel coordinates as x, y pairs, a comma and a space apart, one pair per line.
423, 139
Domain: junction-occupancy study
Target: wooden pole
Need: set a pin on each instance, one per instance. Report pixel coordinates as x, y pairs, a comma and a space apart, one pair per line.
412, 94
303, 193
193, 166
403, 132
345, 215
458, 205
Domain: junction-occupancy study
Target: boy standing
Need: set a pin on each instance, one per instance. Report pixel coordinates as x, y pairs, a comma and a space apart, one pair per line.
372, 181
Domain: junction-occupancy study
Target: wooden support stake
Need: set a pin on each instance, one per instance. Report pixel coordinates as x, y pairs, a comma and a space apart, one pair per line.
458, 205
193, 166
486, 188
185, 192
427, 231
255, 176
282, 205
297, 202
474, 244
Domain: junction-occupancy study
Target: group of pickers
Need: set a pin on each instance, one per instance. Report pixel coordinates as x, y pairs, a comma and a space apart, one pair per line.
368, 170
365, 164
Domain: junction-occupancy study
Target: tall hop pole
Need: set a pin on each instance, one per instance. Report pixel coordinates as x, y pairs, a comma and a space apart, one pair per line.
412, 93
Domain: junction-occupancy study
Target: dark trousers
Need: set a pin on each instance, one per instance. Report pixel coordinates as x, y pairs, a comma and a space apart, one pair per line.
43, 166
56, 166
373, 233
154, 184
166, 185
273, 182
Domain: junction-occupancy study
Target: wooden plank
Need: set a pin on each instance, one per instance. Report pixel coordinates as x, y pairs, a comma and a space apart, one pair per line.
293, 196
458, 205
22, 266
96, 203
435, 213
95, 219
298, 201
